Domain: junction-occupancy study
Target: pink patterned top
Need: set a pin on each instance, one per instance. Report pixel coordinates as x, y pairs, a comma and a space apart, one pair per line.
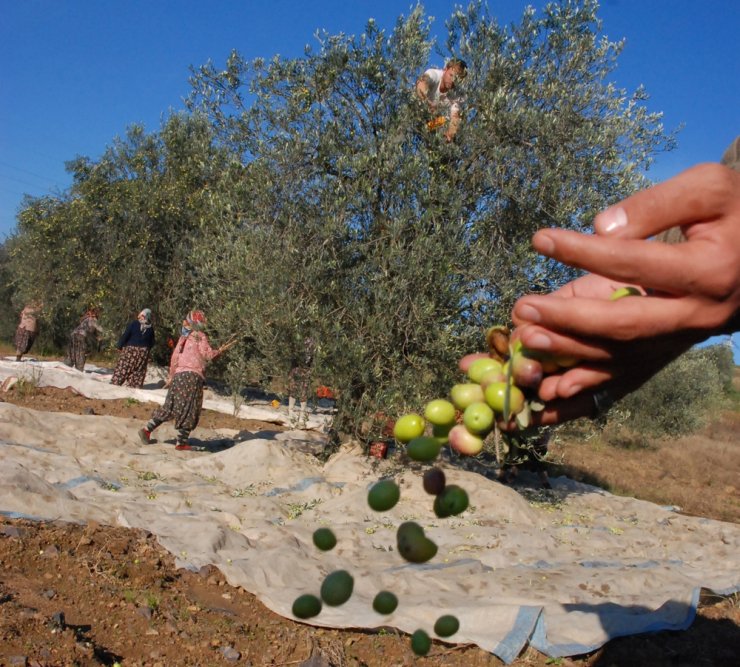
192, 354
28, 318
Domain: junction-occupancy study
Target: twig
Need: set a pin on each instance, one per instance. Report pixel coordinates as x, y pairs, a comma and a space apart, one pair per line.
233, 340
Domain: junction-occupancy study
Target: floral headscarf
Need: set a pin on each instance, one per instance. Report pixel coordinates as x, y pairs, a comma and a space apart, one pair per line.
195, 321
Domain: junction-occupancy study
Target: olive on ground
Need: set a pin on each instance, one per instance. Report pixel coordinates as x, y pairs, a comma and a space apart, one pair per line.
383, 495
337, 588
306, 606
385, 602
324, 539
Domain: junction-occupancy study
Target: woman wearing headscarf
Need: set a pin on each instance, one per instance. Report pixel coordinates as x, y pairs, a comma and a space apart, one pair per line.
135, 345
85, 337
184, 400
28, 329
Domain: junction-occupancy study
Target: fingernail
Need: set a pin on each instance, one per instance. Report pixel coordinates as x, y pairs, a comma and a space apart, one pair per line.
544, 244
528, 313
611, 220
539, 341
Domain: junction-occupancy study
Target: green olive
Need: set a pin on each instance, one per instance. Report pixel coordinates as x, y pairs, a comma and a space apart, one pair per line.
420, 642
451, 502
383, 495
413, 545
337, 588
324, 539
425, 448
306, 606
446, 626
385, 602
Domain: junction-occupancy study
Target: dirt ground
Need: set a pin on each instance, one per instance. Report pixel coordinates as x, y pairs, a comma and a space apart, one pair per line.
99, 595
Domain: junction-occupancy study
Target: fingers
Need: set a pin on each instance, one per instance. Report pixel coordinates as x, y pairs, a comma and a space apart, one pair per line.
674, 269
571, 395
574, 381
558, 412
539, 339
627, 319
700, 193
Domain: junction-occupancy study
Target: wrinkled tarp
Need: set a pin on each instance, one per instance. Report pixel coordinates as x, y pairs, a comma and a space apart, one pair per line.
564, 571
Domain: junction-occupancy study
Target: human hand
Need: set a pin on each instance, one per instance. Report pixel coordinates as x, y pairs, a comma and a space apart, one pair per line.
233, 340
693, 288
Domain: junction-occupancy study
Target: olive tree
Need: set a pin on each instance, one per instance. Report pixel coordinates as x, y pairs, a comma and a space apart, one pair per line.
307, 197
395, 249
121, 237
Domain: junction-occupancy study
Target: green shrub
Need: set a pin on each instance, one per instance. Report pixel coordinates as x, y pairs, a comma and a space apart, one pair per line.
721, 356
679, 399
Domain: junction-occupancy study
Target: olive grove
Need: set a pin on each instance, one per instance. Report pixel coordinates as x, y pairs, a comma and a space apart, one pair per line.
306, 197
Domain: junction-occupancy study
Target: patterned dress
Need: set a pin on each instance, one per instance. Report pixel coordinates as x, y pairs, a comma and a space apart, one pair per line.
183, 404
135, 345
184, 399
82, 340
27, 330
131, 367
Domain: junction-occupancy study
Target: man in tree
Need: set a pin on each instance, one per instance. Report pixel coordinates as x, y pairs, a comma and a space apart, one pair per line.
436, 87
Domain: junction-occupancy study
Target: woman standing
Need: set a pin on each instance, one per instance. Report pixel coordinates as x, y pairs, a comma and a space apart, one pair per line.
85, 336
135, 345
28, 329
186, 378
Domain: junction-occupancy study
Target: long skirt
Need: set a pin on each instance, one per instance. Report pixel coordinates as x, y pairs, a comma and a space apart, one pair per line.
183, 404
23, 340
131, 367
77, 352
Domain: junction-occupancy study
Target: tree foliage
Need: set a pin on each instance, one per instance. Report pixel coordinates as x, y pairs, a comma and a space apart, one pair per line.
678, 400
122, 237
306, 197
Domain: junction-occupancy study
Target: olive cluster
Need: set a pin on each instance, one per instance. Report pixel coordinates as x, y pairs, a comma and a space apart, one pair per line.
500, 386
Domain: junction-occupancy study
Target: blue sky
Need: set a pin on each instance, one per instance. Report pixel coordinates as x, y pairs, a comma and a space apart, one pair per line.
75, 73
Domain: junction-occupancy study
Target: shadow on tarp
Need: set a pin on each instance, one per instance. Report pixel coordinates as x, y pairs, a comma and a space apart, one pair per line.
672, 615
707, 642
572, 481
698, 641
215, 445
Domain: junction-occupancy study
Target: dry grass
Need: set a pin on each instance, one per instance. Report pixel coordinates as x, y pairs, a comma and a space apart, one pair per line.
698, 473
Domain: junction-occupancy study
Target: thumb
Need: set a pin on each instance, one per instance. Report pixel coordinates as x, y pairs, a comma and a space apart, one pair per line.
697, 194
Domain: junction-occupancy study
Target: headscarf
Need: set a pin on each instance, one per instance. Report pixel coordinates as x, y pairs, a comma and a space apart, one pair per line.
147, 323
194, 321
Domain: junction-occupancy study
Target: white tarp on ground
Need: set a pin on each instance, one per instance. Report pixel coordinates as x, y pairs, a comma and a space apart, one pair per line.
564, 575
94, 382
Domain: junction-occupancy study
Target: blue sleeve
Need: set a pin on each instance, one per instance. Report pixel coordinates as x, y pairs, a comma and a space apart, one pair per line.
126, 335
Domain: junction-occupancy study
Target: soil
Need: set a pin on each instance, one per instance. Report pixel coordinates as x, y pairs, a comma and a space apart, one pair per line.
99, 595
